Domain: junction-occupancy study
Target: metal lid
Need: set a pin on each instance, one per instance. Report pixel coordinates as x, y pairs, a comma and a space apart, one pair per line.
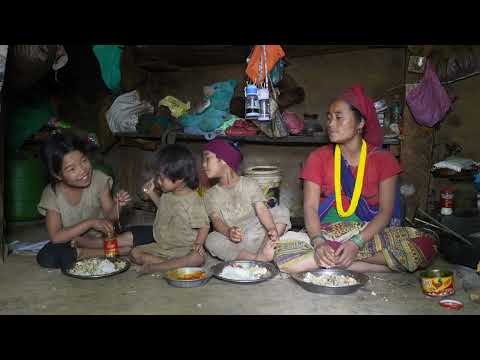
251, 90
436, 273
451, 304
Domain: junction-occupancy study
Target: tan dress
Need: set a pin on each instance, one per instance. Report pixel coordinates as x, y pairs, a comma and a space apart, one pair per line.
176, 225
235, 206
89, 206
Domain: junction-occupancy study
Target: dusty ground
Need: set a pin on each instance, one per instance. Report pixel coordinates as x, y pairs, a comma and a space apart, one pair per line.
25, 288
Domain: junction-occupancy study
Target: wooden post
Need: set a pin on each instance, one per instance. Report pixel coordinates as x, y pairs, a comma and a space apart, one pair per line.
416, 152
3, 127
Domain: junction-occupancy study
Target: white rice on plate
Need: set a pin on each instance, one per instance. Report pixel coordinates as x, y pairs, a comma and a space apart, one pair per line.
240, 273
330, 280
95, 267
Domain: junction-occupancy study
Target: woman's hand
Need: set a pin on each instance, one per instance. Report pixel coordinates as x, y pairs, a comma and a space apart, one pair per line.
102, 225
324, 255
346, 253
123, 198
235, 234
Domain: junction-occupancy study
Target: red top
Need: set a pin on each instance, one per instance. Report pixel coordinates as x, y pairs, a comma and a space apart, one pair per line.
380, 165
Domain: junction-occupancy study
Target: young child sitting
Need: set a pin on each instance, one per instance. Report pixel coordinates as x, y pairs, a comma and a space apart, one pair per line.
78, 204
245, 228
181, 223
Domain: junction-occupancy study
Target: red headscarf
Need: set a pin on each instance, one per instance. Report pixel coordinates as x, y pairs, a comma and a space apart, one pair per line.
356, 97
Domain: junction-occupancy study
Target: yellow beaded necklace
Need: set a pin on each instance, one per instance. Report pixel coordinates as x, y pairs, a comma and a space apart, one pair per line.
357, 191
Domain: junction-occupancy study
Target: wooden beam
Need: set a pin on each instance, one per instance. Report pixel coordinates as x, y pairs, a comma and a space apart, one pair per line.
175, 57
416, 152
320, 139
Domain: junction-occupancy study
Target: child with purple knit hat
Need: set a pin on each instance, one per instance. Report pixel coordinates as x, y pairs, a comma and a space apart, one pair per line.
245, 228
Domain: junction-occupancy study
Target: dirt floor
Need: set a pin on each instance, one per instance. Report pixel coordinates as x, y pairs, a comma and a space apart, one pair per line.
25, 288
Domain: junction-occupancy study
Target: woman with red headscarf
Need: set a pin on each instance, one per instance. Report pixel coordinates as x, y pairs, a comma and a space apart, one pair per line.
352, 200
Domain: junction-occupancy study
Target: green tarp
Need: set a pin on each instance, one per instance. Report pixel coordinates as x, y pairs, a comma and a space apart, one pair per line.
109, 57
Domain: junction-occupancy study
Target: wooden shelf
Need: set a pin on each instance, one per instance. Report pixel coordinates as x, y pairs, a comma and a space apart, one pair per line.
259, 139
464, 176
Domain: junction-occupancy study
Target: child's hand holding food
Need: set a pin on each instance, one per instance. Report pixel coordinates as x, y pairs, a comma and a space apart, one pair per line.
235, 234
273, 235
149, 188
198, 248
103, 225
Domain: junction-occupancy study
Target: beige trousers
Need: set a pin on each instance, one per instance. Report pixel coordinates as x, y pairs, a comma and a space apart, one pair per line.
253, 234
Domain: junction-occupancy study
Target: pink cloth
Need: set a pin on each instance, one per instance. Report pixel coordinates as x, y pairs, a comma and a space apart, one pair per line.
356, 97
427, 246
429, 101
225, 151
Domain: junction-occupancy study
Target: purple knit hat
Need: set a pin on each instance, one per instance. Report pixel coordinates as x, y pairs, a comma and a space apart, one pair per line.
225, 151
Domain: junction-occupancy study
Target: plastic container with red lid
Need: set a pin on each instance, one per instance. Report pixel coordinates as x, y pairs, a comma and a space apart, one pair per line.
446, 201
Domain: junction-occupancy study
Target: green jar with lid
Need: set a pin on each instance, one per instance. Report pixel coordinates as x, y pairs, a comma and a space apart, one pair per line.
25, 178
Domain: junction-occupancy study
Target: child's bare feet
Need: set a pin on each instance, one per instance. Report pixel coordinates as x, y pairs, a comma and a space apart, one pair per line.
144, 269
266, 251
133, 258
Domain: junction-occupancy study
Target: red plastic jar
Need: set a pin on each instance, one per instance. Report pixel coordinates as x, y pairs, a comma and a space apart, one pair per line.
446, 201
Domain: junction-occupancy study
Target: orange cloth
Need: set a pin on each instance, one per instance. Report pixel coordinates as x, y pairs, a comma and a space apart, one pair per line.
274, 53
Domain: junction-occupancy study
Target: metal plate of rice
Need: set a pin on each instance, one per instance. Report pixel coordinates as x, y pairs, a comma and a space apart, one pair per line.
330, 281
90, 269
260, 270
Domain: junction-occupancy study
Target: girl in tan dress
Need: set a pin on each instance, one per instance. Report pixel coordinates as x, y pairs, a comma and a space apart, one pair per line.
181, 223
77, 204
245, 228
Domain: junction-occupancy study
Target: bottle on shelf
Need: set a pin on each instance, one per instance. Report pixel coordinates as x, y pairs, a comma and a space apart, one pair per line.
446, 201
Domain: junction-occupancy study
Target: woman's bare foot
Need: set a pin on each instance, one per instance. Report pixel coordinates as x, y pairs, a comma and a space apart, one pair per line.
362, 266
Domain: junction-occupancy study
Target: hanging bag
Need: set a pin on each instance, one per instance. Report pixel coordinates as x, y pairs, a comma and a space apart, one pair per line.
429, 102
279, 129
293, 122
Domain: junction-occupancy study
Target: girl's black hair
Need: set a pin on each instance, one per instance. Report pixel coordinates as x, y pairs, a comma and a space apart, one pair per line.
358, 117
55, 148
176, 162
236, 146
